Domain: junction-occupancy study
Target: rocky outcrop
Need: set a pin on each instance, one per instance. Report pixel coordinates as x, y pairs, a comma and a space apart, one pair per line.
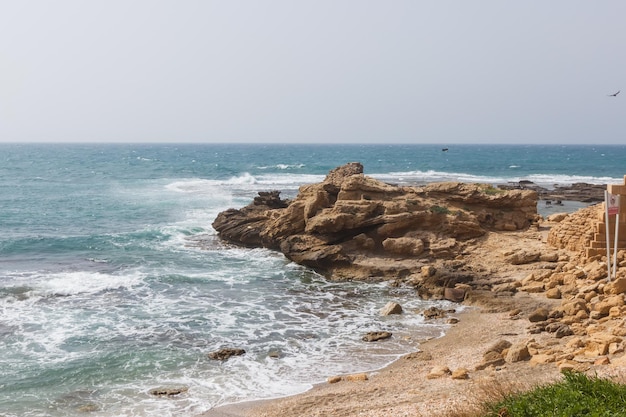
580, 191
351, 226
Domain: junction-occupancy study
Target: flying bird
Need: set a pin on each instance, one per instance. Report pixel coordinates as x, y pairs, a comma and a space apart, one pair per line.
614, 94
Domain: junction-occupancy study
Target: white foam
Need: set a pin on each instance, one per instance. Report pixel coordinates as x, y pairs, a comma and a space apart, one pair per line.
245, 178
83, 282
550, 180
282, 166
195, 186
437, 176
545, 180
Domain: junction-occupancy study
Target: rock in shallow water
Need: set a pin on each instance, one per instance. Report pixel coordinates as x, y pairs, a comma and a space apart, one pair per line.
376, 336
168, 391
226, 353
391, 308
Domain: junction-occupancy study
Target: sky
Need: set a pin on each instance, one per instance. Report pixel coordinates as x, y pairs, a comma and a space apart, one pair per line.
313, 71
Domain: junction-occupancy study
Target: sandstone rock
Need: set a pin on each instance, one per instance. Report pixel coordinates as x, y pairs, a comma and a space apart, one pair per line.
599, 345
549, 257
428, 271
331, 226
454, 294
536, 328
603, 307
540, 359
420, 356
540, 314
533, 288
365, 242
499, 346
491, 359
602, 361
334, 379
434, 313
168, 391
508, 287
438, 372
338, 175
615, 348
226, 353
376, 336
557, 217
617, 286
391, 308
517, 353
615, 312
404, 246
460, 373
570, 308
522, 257
356, 377
553, 293
563, 331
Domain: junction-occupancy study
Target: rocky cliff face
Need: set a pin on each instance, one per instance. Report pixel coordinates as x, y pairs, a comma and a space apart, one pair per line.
352, 226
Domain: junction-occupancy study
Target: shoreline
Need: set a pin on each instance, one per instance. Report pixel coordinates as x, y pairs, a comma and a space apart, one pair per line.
243, 408
450, 372
404, 386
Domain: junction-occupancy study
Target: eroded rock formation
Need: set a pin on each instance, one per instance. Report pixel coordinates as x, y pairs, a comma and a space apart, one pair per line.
351, 226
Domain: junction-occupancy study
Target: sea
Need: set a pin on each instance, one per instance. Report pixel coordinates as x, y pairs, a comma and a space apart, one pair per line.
113, 282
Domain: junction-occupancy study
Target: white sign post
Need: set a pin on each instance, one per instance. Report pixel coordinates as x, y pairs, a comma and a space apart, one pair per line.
611, 202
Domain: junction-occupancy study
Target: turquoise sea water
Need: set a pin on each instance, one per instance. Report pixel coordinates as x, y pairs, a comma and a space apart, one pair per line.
104, 293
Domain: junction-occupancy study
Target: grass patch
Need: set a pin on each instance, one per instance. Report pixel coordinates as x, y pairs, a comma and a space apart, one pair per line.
577, 395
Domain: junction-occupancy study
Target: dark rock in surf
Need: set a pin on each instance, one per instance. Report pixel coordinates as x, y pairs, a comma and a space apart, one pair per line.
168, 391
376, 336
226, 353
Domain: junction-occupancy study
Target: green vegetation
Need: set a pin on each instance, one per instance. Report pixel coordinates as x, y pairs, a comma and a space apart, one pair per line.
439, 210
491, 190
576, 396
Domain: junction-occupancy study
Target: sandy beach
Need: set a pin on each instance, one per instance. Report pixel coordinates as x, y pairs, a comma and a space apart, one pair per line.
407, 387
404, 387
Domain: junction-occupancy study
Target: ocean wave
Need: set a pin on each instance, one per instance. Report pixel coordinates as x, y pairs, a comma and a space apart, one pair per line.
551, 179
282, 166
425, 177
84, 282
193, 186
546, 180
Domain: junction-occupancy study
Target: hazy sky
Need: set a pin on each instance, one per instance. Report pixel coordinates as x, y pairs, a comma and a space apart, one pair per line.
393, 71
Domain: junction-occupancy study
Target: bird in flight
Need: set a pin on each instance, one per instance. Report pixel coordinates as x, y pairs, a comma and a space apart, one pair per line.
614, 94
